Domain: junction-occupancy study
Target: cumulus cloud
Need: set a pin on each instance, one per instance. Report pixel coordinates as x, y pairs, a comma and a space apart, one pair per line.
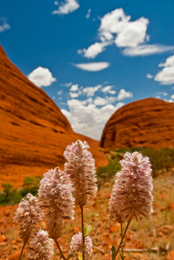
88, 14
126, 32
124, 94
98, 101
94, 66
74, 87
112, 92
117, 27
87, 119
172, 96
67, 7
90, 91
147, 49
74, 95
41, 77
93, 50
149, 76
5, 26
166, 75
106, 89
59, 92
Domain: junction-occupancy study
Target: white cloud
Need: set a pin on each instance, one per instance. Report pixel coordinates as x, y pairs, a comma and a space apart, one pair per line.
87, 119
93, 50
127, 33
117, 27
5, 26
106, 89
67, 84
166, 75
88, 14
68, 7
162, 93
73, 95
89, 91
149, 76
112, 92
124, 94
74, 87
147, 49
59, 92
98, 101
94, 66
169, 62
41, 77
172, 96
132, 33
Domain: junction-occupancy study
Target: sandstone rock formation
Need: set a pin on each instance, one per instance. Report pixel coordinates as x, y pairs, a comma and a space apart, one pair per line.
144, 123
33, 131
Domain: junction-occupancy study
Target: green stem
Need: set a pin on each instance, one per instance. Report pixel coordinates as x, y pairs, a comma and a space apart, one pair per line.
22, 250
83, 237
123, 235
60, 250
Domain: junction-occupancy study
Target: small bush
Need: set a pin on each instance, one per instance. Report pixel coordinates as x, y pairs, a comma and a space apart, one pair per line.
12, 196
161, 159
31, 185
106, 172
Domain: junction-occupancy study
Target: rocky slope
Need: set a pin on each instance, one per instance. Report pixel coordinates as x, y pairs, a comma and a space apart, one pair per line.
144, 123
33, 132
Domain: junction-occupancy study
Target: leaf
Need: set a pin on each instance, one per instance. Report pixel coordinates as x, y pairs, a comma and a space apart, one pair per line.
71, 255
87, 230
80, 256
122, 256
113, 252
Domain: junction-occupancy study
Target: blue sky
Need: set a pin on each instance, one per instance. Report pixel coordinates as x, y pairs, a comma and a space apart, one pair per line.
92, 57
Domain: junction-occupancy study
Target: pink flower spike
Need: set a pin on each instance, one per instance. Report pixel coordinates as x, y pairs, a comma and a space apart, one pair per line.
80, 166
76, 246
55, 194
132, 191
27, 215
40, 247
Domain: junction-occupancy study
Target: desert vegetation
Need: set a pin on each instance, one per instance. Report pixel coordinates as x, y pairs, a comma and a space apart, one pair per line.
104, 220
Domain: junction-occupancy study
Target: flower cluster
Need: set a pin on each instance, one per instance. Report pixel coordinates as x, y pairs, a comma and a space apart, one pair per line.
40, 247
81, 168
132, 191
27, 215
76, 246
55, 194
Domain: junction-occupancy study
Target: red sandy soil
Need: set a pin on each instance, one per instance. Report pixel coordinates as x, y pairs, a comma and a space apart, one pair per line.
33, 132
144, 123
158, 232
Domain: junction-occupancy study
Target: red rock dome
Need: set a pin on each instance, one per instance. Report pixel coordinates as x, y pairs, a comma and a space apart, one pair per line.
144, 123
33, 132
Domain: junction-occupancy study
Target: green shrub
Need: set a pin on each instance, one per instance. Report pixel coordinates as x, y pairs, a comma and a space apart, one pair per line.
161, 159
12, 196
31, 185
106, 172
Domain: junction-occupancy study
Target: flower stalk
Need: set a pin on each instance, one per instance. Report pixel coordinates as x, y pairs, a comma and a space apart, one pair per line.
83, 236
